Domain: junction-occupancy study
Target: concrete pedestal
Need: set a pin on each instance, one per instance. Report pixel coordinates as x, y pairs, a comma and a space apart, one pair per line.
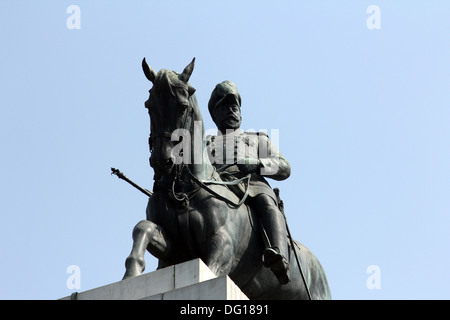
191, 280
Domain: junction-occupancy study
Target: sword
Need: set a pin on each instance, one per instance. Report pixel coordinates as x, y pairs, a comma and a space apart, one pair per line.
281, 206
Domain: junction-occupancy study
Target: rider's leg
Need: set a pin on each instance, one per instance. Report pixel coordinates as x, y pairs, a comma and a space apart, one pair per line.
274, 225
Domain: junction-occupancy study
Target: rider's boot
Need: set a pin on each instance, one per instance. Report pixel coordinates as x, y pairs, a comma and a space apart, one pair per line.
275, 257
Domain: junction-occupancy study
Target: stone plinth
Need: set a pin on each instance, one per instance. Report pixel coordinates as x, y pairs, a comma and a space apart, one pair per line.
191, 280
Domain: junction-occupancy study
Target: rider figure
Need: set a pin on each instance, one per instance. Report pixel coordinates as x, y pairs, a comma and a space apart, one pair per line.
251, 153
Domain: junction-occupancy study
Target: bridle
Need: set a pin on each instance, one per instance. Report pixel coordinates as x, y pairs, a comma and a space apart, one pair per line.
185, 197
168, 134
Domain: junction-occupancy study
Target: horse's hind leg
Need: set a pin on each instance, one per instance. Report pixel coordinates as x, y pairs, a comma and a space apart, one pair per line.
146, 235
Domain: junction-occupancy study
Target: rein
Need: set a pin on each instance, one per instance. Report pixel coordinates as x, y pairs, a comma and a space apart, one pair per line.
203, 184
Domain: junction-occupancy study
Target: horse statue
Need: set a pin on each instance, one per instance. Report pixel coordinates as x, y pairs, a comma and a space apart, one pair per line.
192, 214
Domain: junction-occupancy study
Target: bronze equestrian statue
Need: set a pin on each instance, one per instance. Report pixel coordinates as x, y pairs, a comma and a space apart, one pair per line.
193, 213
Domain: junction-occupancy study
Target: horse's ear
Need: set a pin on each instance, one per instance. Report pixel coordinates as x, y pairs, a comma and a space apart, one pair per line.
150, 74
191, 90
187, 71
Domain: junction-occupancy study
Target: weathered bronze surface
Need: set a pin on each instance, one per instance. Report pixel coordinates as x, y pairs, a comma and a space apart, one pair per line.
193, 212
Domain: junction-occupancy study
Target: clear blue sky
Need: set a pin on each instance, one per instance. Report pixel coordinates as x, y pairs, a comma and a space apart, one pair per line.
363, 116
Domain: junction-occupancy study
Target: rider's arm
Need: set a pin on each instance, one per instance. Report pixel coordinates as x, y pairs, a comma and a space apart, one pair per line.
262, 157
273, 164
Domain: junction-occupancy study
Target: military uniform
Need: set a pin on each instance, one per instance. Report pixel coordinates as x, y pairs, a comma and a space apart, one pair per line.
236, 154
248, 145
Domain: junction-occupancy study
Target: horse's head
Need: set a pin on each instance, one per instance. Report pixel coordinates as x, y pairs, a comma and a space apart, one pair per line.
169, 105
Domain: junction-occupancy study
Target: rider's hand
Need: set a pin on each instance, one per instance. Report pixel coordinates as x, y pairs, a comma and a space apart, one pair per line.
249, 165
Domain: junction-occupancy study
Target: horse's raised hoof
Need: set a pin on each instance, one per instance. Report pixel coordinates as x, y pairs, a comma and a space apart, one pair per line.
273, 259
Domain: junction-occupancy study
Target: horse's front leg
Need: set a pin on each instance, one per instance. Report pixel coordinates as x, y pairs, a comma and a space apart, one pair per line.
146, 236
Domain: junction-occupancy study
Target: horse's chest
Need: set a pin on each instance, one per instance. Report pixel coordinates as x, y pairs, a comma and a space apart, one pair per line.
201, 218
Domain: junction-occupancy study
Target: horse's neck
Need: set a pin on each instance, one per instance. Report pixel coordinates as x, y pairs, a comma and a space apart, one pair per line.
200, 164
